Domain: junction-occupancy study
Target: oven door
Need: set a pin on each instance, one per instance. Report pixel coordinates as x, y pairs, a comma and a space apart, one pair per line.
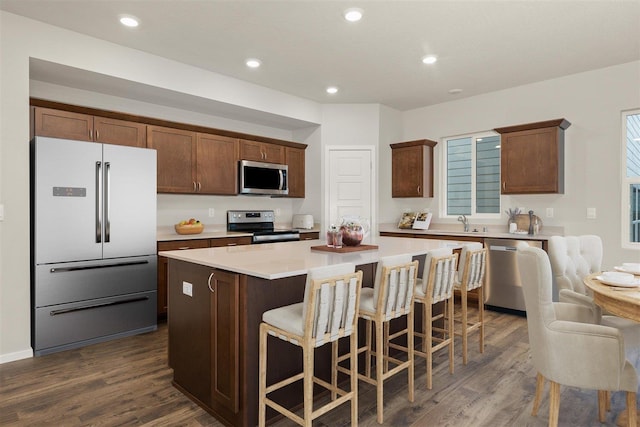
263, 178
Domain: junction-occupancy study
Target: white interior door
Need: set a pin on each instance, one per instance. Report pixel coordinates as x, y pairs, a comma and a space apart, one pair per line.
350, 179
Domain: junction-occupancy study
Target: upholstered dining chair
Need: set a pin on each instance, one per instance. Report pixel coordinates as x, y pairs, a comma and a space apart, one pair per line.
471, 276
390, 298
566, 348
435, 287
572, 259
328, 313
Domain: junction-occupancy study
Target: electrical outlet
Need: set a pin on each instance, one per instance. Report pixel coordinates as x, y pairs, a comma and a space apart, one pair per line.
549, 212
591, 213
1, 212
212, 212
277, 212
187, 289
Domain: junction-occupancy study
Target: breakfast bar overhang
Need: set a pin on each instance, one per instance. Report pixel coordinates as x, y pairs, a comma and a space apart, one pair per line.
216, 300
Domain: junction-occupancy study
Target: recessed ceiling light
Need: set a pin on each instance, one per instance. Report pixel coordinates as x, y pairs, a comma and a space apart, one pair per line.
129, 21
429, 59
332, 90
455, 91
253, 63
353, 14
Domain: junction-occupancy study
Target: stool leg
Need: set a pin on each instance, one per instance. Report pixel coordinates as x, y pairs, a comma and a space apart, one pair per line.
367, 368
379, 371
410, 356
334, 369
262, 374
481, 316
463, 299
451, 334
354, 378
307, 355
428, 338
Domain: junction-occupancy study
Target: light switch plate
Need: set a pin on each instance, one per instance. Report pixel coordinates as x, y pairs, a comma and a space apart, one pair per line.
549, 212
212, 212
187, 289
591, 213
1, 212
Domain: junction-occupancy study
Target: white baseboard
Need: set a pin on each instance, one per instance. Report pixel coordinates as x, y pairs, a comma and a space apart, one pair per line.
17, 355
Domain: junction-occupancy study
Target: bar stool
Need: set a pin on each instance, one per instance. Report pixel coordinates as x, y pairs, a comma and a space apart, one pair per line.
327, 313
391, 297
436, 286
471, 275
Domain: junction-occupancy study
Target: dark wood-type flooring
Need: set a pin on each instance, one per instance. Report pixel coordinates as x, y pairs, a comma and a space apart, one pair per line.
128, 382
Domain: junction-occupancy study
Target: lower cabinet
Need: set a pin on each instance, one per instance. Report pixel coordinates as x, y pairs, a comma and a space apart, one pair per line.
204, 335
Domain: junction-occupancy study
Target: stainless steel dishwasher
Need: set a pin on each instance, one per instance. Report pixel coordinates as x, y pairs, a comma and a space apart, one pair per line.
503, 289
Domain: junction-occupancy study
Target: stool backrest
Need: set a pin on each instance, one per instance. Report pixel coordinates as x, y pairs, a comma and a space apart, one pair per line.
434, 253
394, 286
330, 311
441, 277
474, 268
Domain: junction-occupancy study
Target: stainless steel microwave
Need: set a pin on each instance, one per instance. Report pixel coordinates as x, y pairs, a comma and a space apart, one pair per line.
262, 178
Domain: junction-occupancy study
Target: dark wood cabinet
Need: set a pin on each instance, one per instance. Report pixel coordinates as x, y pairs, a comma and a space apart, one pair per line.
230, 241
294, 158
261, 151
532, 157
412, 168
216, 164
309, 235
163, 265
204, 335
85, 127
176, 158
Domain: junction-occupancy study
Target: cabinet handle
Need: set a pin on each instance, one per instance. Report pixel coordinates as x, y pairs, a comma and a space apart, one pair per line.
418, 189
97, 134
183, 248
90, 135
194, 186
504, 184
232, 244
199, 186
209, 282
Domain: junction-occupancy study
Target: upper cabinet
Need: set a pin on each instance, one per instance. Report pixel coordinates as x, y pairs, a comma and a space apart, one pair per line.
86, 127
412, 168
216, 164
261, 151
176, 158
532, 157
294, 158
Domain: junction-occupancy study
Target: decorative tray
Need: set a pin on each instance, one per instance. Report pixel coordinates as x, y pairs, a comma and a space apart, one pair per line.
344, 249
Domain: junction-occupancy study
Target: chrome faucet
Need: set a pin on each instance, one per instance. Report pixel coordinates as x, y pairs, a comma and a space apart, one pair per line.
465, 222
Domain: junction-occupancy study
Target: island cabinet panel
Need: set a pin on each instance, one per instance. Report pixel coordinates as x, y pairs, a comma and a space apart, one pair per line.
412, 168
163, 267
532, 157
216, 164
295, 162
204, 340
261, 151
176, 158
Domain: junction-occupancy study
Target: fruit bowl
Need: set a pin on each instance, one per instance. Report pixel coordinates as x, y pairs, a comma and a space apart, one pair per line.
189, 228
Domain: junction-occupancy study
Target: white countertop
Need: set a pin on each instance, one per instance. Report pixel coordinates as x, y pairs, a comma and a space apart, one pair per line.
287, 259
492, 232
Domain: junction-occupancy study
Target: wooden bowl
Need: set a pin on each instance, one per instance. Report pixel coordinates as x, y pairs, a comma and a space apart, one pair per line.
189, 228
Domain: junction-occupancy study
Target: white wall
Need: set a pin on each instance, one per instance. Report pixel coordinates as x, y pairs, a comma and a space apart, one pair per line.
22, 39
592, 102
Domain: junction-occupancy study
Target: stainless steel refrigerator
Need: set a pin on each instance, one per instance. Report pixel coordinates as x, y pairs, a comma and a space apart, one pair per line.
93, 251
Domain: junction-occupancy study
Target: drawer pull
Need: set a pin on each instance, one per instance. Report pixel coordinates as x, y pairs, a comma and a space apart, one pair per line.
89, 307
209, 282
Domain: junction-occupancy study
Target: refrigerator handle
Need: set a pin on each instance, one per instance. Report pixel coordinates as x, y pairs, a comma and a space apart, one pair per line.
107, 202
98, 202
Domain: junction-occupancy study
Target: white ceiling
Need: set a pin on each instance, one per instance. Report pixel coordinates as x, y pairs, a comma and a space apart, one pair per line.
305, 46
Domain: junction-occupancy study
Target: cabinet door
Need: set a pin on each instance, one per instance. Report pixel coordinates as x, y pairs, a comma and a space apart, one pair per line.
261, 152
120, 132
176, 158
407, 169
230, 241
63, 124
190, 328
295, 161
217, 164
225, 340
529, 162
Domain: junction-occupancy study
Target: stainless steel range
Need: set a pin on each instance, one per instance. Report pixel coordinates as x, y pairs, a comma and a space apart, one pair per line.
261, 224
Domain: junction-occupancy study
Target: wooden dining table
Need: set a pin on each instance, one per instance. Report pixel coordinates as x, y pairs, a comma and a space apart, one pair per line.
623, 302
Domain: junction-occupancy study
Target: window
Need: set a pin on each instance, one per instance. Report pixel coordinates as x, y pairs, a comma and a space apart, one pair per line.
472, 177
631, 179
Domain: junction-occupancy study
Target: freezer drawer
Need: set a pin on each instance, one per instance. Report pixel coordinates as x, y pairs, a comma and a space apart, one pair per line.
66, 326
503, 288
79, 281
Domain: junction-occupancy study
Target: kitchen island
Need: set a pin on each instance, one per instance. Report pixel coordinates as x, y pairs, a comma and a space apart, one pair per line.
216, 300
